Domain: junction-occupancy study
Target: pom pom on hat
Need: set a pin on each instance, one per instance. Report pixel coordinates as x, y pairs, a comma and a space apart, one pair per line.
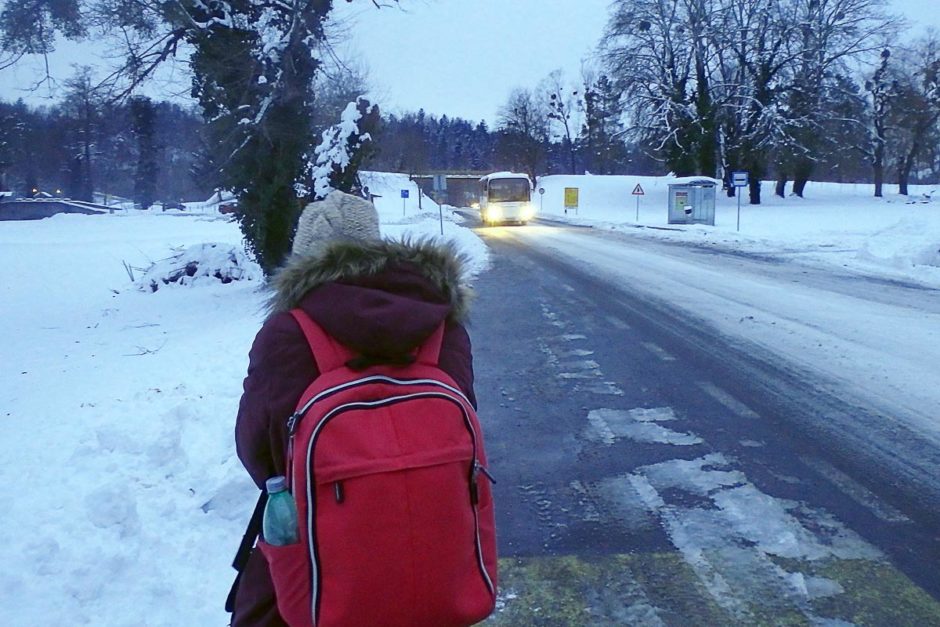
338, 217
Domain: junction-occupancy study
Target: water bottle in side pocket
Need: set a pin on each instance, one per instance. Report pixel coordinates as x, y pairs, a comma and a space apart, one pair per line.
279, 525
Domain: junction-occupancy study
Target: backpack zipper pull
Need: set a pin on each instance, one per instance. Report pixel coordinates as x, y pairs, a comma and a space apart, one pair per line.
474, 474
292, 423
339, 492
478, 468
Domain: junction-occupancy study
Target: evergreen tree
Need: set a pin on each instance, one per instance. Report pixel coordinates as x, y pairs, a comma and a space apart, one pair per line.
602, 148
143, 115
253, 76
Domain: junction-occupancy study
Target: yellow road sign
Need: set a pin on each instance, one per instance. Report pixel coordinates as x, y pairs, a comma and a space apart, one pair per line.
571, 198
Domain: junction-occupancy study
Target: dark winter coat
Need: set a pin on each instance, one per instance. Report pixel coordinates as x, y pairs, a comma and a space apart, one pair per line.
379, 299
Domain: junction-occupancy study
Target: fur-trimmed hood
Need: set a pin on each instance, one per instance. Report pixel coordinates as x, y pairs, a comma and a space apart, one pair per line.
440, 263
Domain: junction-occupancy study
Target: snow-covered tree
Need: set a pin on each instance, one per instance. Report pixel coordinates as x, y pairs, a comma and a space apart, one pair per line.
342, 150
882, 90
721, 85
254, 64
827, 35
659, 54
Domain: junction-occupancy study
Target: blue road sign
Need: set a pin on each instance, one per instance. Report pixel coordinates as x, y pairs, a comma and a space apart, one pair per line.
404, 193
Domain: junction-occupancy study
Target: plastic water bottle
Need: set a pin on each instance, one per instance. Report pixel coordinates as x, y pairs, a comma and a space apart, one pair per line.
279, 525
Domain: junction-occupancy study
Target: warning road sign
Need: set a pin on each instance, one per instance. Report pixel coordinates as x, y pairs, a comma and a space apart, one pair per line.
638, 191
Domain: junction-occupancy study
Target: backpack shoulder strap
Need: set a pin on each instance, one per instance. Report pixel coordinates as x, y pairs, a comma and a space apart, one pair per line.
430, 351
327, 352
245, 548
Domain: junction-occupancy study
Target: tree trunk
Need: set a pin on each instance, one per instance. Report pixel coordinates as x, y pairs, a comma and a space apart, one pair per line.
904, 175
904, 168
878, 168
754, 189
781, 187
799, 185
804, 169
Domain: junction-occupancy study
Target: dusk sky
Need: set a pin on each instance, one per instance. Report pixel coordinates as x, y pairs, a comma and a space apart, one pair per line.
454, 57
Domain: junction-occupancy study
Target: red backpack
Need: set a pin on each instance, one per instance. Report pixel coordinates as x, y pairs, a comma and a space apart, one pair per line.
388, 471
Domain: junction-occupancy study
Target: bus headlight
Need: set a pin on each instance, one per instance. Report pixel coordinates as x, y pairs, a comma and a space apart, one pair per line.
494, 213
528, 212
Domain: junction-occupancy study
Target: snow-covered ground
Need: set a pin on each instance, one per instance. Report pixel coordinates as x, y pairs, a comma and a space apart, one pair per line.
124, 499
840, 224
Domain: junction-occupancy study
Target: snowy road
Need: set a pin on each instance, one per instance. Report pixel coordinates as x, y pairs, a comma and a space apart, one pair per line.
682, 435
866, 341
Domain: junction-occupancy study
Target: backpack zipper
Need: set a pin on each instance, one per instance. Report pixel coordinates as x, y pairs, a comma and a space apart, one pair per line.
293, 421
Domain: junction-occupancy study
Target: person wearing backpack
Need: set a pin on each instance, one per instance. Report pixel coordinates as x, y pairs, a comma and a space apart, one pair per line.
359, 389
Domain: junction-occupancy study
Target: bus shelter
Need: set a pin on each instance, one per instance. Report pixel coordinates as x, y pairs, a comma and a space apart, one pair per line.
692, 201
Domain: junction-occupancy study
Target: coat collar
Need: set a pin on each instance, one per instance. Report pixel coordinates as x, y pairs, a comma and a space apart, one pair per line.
441, 263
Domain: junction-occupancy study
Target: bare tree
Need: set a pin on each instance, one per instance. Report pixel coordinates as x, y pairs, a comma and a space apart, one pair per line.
739, 79
523, 126
828, 34
564, 106
882, 90
658, 54
917, 110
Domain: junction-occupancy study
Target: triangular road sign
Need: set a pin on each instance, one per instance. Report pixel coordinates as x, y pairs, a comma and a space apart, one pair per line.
638, 191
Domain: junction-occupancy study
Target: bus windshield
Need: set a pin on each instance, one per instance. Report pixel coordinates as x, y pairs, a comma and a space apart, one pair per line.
508, 190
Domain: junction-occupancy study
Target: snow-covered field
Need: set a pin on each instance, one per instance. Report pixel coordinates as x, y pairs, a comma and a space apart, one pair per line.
124, 501
838, 224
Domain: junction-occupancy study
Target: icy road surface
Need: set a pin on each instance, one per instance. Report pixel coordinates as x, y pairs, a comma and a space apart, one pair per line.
878, 340
678, 437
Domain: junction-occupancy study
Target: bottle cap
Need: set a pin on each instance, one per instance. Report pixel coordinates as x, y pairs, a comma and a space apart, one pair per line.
276, 484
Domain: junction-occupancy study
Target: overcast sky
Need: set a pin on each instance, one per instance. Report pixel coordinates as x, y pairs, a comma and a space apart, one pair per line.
459, 57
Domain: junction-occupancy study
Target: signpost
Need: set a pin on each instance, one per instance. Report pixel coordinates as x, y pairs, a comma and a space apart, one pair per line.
738, 180
541, 198
571, 199
439, 185
404, 197
638, 191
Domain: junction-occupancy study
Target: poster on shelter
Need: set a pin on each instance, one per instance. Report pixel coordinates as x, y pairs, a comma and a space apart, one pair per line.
682, 200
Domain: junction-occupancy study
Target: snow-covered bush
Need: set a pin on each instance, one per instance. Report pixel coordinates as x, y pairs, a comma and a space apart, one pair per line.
202, 263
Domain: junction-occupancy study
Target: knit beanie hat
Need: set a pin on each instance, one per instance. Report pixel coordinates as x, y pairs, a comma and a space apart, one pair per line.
338, 217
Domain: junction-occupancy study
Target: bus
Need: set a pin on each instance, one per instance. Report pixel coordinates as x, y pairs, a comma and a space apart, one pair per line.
506, 197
